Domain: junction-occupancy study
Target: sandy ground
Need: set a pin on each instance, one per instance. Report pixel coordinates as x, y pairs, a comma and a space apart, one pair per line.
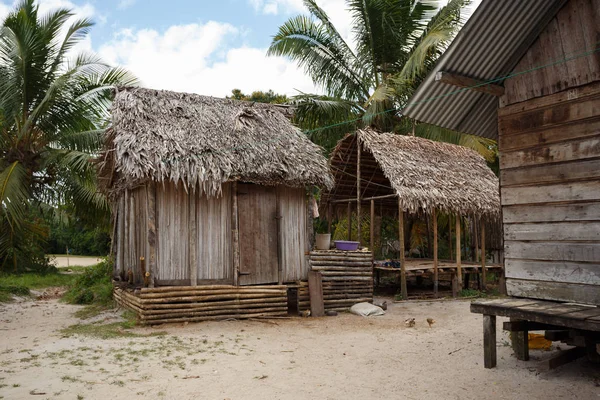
343, 357
71, 261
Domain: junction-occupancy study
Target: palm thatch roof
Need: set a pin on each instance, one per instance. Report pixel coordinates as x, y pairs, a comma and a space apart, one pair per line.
424, 174
203, 142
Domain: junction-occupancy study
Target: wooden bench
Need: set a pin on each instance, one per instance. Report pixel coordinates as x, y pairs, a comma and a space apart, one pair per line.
576, 325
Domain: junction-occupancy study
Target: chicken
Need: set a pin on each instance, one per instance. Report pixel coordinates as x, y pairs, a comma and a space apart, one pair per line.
410, 322
430, 321
305, 313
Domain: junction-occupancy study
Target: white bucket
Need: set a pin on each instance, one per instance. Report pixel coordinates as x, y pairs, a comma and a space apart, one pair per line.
323, 241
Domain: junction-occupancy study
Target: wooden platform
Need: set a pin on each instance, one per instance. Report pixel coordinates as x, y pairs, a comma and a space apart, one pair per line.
420, 266
580, 324
347, 279
202, 303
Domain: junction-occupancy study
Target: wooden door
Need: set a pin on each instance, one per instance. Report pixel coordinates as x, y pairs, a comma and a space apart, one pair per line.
257, 211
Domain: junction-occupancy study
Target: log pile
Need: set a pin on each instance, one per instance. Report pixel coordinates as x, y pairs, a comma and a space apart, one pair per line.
347, 279
202, 303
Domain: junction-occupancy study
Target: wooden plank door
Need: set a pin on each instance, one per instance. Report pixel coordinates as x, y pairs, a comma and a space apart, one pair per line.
257, 211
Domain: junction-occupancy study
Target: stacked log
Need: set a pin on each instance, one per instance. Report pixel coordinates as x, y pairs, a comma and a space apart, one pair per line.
347, 279
203, 303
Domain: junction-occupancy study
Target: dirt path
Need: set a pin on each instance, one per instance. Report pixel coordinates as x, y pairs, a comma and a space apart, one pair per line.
71, 261
343, 357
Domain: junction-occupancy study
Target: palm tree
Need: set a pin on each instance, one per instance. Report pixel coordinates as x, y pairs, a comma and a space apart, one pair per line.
53, 108
396, 44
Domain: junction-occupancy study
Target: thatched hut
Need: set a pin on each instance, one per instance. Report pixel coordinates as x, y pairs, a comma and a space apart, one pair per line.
207, 191
412, 175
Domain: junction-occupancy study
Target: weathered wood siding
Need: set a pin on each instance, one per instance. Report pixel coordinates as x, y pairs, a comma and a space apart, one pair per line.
572, 33
550, 185
294, 243
178, 211
130, 239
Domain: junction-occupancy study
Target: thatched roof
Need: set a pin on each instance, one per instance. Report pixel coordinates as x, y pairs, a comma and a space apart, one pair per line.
205, 141
423, 173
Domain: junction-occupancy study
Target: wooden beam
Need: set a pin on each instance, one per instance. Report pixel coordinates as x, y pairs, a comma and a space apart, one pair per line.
193, 237
459, 276
470, 83
403, 290
315, 291
520, 343
329, 216
358, 227
435, 254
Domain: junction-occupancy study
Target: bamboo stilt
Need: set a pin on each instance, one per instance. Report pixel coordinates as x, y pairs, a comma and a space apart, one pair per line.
483, 269
459, 276
403, 289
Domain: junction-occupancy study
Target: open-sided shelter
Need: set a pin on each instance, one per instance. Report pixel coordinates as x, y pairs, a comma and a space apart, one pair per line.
208, 191
527, 73
412, 175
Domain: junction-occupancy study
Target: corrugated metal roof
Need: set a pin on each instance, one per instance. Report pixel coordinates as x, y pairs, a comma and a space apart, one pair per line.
489, 46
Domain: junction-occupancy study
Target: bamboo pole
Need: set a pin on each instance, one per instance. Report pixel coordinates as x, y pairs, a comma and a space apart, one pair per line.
278, 218
458, 255
435, 254
329, 216
372, 233
483, 271
236, 235
450, 235
349, 221
358, 224
403, 290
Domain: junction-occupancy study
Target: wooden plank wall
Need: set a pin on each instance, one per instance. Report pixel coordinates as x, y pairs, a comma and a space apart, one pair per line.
574, 31
550, 185
131, 243
294, 244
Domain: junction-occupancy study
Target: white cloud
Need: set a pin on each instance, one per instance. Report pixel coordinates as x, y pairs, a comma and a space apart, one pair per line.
274, 6
199, 58
123, 4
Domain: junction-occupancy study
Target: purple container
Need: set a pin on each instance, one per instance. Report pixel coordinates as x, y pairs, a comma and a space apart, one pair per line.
346, 245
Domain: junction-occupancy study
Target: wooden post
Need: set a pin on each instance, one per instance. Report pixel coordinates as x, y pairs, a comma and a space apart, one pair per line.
450, 235
315, 292
236, 234
372, 226
329, 216
193, 238
349, 221
489, 341
459, 276
520, 343
403, 290
151, 235
278, 218
483, 271
435, 254
358, 224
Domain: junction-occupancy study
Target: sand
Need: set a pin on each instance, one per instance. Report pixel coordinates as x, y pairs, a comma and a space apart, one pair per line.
343, 357
62, 261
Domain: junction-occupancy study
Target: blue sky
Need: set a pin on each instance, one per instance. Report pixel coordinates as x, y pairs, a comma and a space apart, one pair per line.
204, 46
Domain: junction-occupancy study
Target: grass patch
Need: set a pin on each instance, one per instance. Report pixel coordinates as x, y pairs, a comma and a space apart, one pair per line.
21, 284
474, 293
92, 286
108, 331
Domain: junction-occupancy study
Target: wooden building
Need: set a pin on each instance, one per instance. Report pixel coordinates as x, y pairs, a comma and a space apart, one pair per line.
528, 75
412, 175
208, 191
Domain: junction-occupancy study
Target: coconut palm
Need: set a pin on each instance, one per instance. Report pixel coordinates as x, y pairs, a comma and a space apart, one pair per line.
53, 106
396, 43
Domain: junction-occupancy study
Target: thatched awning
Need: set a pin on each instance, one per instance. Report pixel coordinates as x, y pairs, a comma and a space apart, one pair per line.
203, 142
424, 174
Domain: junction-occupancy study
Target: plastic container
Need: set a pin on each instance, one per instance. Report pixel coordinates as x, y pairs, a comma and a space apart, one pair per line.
346, 245
323, 241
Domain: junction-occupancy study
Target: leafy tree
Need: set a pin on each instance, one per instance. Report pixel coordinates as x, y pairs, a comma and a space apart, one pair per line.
53, 108
396, 44
259, 97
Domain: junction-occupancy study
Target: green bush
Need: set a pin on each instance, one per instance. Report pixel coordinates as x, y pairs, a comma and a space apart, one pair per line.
94, 286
